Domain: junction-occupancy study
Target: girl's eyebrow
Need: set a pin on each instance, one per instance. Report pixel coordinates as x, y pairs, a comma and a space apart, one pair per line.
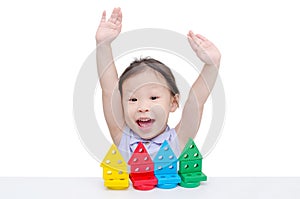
130, 91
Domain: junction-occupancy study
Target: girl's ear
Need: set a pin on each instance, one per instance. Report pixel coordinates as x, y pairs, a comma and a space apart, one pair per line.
174, 103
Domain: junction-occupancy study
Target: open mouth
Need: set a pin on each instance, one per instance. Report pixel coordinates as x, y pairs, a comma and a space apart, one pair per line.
145, 122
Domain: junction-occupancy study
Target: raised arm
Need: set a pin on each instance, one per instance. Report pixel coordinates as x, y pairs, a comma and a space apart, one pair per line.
107, 31
193, 108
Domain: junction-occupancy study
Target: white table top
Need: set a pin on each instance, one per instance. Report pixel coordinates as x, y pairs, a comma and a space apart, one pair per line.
90, 188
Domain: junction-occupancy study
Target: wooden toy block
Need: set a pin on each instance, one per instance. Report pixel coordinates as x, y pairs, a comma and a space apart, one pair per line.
190, 166
115, 172
189, 184
138, 181
193, 177
110, 173
190, 159
165, 165
117, 184
165, 161
168, 181
142, 169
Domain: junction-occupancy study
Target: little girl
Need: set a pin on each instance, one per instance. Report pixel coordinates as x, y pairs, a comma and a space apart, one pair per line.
137, 105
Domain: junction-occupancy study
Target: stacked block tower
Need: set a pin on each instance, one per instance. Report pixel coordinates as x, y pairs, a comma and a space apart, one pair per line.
142, 169
190, 166
115, 173
146, 174
165, 167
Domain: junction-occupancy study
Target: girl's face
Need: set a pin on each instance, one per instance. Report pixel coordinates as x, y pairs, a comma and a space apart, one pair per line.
147, 102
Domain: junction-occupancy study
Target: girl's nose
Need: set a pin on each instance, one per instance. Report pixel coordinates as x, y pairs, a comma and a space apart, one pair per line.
143, 109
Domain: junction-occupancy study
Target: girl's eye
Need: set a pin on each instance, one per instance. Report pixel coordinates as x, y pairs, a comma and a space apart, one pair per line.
133, 99
154, 98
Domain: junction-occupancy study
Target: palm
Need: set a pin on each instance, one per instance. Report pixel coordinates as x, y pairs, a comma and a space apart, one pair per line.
109, 29
204, 49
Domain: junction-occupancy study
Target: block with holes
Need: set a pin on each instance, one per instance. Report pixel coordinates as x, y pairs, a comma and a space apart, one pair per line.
190, 166
165, 167
115, 172
142, 169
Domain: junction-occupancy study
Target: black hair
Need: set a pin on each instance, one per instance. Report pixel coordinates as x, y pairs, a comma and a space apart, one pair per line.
140, 65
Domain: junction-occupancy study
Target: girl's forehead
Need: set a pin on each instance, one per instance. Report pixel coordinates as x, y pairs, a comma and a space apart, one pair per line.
145, 78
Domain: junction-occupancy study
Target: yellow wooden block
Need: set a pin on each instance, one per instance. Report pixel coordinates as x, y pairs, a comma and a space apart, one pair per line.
114, 165
111, 173
117, 184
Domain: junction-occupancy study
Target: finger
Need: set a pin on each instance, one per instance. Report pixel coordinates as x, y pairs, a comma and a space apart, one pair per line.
194, 38
191, 34
119, 19
193, 44
103, 18
201, 37
114, 15
111, 15
205, 41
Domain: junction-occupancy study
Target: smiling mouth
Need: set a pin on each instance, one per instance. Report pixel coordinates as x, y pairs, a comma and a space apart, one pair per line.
145, 122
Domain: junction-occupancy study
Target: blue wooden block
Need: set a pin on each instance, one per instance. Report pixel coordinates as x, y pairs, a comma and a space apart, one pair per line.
165, 167
165, 161
168, 179
166, 186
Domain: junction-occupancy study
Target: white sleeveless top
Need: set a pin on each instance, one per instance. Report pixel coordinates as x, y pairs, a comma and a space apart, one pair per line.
130, 140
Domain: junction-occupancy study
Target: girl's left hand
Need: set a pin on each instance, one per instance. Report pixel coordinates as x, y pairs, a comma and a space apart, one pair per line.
205, 49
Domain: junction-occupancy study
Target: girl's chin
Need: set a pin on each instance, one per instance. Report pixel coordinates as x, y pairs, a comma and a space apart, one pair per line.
145, 133
148, 133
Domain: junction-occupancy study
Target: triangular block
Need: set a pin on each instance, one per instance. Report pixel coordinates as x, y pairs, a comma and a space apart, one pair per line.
165, 165
115, 173
190, 151
190, 166
190, 159
114, 159
142, 169
165, 161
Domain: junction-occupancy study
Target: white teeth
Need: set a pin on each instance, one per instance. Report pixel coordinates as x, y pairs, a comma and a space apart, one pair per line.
144, 120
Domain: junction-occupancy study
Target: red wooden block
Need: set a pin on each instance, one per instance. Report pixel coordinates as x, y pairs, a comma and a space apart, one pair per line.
142, 169
143, 182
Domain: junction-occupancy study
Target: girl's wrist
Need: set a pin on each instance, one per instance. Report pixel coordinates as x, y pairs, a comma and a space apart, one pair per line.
103, 45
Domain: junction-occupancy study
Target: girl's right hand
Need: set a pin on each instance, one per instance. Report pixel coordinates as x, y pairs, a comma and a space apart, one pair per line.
204, 49
110, 29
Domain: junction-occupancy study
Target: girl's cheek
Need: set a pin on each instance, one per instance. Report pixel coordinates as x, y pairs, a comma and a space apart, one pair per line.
158, 110
129, 109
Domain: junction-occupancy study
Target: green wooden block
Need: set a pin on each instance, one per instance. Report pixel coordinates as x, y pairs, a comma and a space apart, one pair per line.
191, 180
190, 151
193, 177
189, 184
190, 159
190, 166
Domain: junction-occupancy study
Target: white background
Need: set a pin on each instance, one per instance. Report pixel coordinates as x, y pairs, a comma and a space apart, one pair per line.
43, 45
